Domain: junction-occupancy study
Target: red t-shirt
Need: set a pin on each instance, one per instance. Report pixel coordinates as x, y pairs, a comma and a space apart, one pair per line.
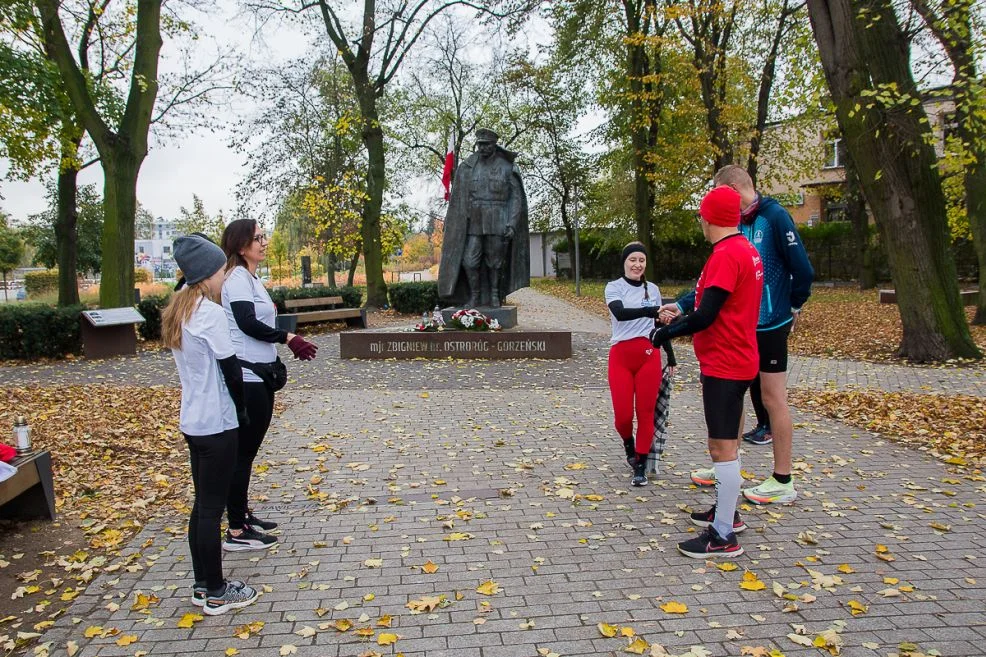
728, 348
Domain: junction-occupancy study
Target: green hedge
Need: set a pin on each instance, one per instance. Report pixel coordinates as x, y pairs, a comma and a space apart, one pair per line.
413, 298
39, 282
30, 331
352, 297
150, 308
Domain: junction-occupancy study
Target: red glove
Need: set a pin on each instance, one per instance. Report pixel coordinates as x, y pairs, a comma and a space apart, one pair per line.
7, 453
302, 348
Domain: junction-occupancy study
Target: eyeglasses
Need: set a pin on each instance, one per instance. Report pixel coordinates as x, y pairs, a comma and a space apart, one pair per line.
260, 239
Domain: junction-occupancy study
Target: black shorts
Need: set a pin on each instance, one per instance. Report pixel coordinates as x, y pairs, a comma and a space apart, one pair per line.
773, 348
723, 402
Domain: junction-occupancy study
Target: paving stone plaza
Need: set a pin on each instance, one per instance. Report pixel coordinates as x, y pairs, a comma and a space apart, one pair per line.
404, 488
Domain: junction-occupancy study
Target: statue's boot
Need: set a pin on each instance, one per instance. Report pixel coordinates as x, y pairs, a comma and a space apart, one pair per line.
472, 275
495, 289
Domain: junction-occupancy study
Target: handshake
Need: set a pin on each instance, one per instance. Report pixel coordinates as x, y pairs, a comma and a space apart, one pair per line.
665, 314
668, 313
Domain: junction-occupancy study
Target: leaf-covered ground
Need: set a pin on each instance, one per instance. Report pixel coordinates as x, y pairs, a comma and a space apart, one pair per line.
118, 460
951, 427
837, 322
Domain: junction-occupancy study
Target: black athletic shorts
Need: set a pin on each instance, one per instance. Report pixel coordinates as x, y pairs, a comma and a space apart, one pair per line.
773, 348
723, 402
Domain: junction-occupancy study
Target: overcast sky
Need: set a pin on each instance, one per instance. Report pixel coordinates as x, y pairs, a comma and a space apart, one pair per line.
203, 163
200, 163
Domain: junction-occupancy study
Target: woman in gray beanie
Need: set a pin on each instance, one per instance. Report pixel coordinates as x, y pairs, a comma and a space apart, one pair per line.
194, 327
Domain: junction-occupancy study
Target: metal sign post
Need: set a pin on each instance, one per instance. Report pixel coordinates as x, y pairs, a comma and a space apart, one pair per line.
575, 224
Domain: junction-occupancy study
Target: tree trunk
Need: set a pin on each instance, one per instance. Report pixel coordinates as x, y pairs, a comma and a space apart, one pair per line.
637, 68
896, 166
330, 268
67, 234
116, 288
860, 220
376, 175
351, 278
975, 204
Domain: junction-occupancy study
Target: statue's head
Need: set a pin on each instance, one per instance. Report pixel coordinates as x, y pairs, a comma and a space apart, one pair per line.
486, 142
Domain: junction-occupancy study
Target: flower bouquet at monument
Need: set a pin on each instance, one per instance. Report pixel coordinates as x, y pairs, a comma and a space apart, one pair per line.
472, 320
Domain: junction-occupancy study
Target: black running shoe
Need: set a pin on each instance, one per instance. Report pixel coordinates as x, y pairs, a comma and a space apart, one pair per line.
709, 544
706, 518
257, 523
639, 471
249, 539
759, 436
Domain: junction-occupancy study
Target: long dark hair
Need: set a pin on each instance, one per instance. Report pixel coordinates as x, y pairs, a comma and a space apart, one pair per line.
236, 237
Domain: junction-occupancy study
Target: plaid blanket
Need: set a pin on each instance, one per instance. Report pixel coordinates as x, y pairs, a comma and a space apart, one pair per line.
661, 411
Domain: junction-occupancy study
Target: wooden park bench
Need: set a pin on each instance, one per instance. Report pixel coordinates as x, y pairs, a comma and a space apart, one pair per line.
31, 491
298, 313
969, 297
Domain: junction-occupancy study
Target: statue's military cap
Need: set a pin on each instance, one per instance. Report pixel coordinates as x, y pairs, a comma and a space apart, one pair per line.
486, 135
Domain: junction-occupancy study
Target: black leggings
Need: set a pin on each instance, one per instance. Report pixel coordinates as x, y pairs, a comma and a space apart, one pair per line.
210, 457
260, 407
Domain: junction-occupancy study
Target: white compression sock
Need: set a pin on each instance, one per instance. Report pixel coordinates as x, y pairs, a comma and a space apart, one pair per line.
728, 481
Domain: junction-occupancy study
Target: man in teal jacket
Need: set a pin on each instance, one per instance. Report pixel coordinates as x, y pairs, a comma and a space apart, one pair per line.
788, 275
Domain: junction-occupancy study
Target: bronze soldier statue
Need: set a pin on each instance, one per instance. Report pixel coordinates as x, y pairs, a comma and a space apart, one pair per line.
485, 250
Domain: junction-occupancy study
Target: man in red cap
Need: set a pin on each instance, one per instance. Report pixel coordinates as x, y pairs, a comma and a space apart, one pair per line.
724, 322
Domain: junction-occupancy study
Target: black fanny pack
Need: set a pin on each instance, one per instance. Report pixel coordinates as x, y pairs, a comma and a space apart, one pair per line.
274, 375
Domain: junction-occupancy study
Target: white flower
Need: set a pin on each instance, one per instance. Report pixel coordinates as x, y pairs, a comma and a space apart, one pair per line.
494, 325
467, 320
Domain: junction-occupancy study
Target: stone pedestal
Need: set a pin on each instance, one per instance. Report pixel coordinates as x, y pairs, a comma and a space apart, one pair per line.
506, 315
455, 344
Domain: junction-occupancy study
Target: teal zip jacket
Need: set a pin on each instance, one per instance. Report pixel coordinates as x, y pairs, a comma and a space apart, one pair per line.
788, 274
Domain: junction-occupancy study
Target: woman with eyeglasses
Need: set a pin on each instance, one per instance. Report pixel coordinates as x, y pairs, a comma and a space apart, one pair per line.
251, 315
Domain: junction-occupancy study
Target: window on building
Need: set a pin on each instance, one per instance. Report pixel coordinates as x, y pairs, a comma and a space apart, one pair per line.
167, 250
835, 153
140, 249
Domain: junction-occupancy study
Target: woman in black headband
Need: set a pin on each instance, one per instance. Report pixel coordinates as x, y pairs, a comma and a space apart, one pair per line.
634, 364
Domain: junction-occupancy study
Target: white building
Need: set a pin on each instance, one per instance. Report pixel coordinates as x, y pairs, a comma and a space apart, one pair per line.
154, 254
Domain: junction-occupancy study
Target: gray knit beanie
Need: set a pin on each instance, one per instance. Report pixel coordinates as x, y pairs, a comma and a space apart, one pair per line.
198, 258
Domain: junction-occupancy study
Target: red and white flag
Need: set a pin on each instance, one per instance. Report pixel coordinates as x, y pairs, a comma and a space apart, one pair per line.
449, 165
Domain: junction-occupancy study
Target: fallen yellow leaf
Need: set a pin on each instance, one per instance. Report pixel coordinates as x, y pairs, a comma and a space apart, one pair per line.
126, 640
672, 607
386, 639
429, 567
607, 630
488, 588
188, 620
857, 607
142, 601
751, 582
638, 647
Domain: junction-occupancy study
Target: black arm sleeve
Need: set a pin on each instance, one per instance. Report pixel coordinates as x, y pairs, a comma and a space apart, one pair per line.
669, 350
625, 314
246, 320
712, 300
233, 375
